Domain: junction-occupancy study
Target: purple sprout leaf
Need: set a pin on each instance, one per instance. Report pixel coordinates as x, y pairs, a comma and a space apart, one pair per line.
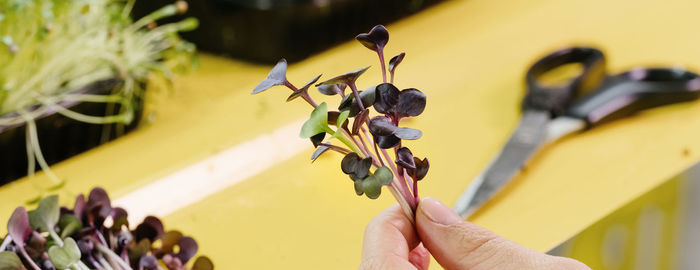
188, 248
376, 39
151, 228
79, 206
360, 119
168, 242
303, 90
98, 207
381, 126
203, 263
332, 89
395, 61
319, 151
10, 261
348, 102
317, 123
172, 262
318, 139
121, 219
69, 224
411, 102
422, 167
277, 76
404, 158
387, 97
347, 78
148, 262
64, 257
355, 166
407, 133
295, 95
46, 215
36, 245
387, 142
349, 162
18, 226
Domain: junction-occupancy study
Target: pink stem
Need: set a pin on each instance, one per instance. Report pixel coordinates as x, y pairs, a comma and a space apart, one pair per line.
304, 95
403, 188
380, 53
357, 95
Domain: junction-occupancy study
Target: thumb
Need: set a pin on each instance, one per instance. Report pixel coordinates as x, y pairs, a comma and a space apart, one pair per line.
457, 244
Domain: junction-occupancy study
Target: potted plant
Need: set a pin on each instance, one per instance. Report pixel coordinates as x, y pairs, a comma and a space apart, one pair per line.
73, 75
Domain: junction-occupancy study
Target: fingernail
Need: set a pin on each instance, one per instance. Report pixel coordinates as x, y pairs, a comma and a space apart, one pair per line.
438, 212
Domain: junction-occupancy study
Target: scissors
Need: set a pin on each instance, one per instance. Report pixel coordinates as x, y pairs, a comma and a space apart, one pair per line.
587, 100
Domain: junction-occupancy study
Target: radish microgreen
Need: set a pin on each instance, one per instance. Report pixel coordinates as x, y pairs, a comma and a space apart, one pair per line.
364, 146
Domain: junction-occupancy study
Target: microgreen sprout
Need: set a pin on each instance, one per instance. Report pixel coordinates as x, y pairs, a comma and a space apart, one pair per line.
365, 142
53, 50
54, 237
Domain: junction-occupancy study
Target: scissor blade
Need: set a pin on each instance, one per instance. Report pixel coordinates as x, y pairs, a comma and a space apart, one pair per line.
527, 139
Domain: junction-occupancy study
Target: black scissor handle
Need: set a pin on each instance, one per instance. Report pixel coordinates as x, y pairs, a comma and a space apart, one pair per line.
556, 99
636, 90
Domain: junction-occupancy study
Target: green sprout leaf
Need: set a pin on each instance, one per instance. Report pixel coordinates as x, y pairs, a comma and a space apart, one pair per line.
10, 261
66, 256
317, 123
69, 224
342, 118
372, 185
46, 215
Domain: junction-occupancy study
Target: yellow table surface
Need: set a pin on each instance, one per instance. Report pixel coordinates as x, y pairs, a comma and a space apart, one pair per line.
469, 58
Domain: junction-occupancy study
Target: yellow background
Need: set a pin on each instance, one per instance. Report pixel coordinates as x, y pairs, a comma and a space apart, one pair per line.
469, 58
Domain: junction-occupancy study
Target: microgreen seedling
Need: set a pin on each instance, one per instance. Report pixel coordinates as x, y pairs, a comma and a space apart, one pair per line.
80, 238
364, 142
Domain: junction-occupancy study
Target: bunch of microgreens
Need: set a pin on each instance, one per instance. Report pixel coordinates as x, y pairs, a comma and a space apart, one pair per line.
51, 48
365, 142
92, 235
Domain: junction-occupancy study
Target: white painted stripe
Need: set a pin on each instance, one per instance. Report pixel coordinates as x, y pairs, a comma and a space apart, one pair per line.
213, 174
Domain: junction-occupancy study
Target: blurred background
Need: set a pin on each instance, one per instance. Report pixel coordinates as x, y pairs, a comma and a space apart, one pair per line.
180, 137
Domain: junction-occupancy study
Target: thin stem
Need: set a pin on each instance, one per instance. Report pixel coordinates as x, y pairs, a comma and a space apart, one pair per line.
105, 265
33, 138
380, 53
354, 141
392, 76
110, 254
28, 259
55, 238
344, 140
304, 96
5, 242
364, 145
357, 95
407, 209
415, 185
403, 188
336, 148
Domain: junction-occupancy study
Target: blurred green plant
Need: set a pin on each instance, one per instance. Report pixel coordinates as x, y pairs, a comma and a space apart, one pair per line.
51, 48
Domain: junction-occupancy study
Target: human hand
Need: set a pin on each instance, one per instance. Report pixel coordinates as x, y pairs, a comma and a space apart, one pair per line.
391, 242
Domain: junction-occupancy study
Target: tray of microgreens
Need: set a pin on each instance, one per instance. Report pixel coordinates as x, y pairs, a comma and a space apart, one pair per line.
93, 234
56, 55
